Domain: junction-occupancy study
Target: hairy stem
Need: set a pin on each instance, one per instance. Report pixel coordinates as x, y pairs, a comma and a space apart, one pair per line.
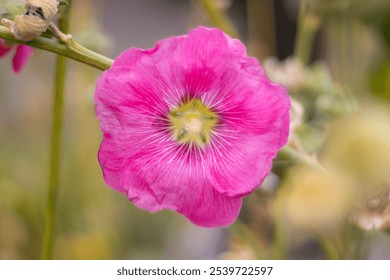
72, 50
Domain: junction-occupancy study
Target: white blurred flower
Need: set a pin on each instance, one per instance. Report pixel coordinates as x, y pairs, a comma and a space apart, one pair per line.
296, 116
374, 213
290, 72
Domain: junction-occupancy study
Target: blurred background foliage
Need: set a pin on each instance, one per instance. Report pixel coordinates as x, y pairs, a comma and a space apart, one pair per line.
334, 58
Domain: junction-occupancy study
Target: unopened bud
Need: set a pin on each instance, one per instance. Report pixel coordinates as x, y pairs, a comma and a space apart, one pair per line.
34, 21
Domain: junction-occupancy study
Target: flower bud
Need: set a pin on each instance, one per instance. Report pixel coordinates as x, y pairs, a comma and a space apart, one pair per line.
34, 21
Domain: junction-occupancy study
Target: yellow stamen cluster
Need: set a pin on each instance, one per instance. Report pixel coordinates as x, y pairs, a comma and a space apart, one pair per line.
192, 123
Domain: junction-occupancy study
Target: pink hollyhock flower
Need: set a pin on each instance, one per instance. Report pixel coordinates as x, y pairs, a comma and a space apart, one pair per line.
21, 56
191, 125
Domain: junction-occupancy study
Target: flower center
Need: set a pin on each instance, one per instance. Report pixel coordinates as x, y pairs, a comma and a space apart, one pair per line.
192, 123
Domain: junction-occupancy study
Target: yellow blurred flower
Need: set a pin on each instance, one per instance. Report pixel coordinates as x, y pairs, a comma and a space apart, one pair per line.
360, 146
312, 199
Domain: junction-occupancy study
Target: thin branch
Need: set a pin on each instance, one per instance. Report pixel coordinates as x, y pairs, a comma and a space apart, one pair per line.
72, 50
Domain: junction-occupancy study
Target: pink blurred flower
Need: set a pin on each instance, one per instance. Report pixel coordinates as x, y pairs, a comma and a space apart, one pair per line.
22, 54
191, 125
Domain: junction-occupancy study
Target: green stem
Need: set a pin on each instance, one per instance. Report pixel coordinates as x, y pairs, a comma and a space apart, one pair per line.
280, 243
294, 156
308, 24
219, 18
49, 232
245, 234
55, 155
73, 50
330, 248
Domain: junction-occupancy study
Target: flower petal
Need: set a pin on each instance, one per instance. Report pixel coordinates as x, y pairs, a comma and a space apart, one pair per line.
186, 65
21, 56
160, 178
238, 162
3, 49
254, 125
130, 112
